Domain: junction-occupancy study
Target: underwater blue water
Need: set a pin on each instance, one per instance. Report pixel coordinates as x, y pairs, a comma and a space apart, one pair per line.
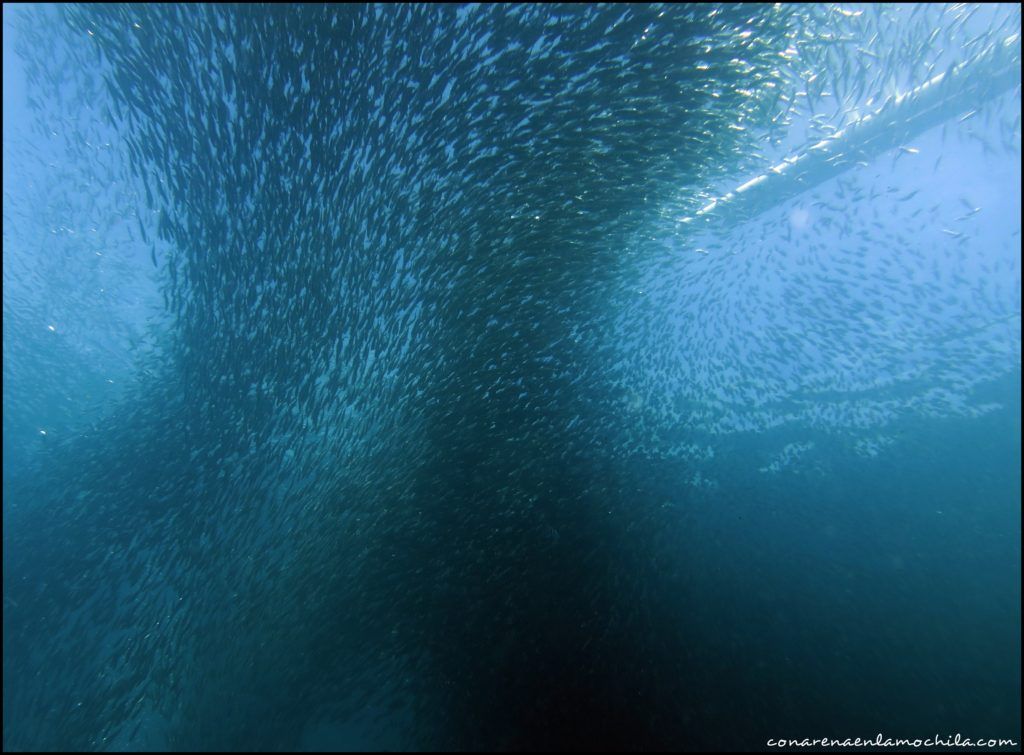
365, 385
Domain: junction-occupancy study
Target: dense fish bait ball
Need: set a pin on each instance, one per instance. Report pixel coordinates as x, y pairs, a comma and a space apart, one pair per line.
431, 327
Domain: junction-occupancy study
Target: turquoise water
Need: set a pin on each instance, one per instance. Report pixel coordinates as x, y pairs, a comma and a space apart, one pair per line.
373, 378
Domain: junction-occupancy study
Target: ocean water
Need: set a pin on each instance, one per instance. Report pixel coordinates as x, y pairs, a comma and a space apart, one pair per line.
417, 377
